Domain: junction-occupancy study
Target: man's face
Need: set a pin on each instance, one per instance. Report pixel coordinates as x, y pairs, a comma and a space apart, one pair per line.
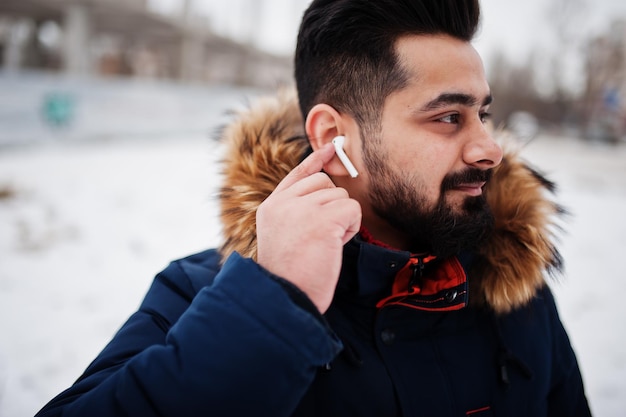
427, 164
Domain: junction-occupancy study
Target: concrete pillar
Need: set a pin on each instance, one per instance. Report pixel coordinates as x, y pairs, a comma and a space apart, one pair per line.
13, 54
192, 55
33, 54
191, 58
77, 58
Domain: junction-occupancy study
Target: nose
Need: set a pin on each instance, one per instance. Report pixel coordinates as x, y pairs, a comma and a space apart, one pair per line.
482, 151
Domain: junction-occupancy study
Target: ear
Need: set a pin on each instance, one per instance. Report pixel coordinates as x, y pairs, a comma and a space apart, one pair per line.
323, 124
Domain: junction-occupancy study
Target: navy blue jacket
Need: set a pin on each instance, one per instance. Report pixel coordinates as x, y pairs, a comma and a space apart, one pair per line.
237, 341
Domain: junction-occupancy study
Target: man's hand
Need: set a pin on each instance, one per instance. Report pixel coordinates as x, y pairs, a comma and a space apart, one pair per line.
302, 227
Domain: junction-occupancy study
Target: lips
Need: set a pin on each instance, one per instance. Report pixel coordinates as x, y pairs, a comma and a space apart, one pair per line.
473, 189
470, 181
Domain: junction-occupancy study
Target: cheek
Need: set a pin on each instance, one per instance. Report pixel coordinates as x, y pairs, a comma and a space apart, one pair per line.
426, 173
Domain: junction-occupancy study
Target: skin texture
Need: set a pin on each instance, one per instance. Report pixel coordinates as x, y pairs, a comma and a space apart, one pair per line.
432, 128
303, 225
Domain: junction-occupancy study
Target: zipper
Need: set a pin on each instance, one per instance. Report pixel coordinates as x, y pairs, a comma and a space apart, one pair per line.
417, 272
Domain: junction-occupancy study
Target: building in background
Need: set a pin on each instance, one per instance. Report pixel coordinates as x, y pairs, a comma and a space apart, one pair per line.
126, 38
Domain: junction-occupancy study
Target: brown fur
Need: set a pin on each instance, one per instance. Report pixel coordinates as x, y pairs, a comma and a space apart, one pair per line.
521, 249
262, 146
264, 143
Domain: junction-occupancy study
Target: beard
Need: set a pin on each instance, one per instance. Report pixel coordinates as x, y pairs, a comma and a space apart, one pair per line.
442, 230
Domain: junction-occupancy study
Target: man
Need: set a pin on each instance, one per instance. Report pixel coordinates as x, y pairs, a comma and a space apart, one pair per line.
415, 288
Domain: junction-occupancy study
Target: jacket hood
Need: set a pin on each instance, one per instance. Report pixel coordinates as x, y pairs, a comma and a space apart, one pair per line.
266, 141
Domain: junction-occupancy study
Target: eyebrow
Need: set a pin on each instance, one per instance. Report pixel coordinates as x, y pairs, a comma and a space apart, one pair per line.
446, 99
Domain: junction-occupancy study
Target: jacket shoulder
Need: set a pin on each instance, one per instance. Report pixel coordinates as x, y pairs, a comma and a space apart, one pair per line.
194, 271
174, 288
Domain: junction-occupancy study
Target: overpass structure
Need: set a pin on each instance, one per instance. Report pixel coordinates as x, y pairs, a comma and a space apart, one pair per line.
180, 47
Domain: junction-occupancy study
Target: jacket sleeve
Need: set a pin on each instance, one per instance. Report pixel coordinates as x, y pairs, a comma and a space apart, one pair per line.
567, 394
241, 346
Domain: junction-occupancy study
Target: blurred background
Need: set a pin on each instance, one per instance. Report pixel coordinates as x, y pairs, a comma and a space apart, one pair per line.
108, 167
557, 64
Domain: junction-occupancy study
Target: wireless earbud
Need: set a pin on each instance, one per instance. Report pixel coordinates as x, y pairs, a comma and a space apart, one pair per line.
338, 142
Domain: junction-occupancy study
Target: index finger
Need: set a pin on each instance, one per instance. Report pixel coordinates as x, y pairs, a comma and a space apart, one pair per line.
312, 164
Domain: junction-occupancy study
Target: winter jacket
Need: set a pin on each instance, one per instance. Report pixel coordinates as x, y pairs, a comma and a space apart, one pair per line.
474, 335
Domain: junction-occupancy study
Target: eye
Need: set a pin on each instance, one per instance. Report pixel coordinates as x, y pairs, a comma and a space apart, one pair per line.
451, 119
485, 116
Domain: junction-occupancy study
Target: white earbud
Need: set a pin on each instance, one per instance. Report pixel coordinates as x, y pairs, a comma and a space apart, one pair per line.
338, 142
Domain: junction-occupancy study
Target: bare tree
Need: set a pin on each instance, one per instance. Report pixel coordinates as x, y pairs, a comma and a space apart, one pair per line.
566, 18
604, 98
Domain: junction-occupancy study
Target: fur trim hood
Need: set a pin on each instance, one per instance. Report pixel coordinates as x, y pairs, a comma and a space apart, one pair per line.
267, 141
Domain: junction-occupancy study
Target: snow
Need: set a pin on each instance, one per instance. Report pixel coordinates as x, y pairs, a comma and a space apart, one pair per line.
87, 224
87, 229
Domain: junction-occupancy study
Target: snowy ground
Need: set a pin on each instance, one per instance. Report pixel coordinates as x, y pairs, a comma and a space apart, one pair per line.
85, 226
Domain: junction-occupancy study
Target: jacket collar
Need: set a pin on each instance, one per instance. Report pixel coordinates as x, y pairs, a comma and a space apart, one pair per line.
382, 276
264, 142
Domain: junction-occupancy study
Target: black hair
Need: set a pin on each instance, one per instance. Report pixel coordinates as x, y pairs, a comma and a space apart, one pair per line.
345, 55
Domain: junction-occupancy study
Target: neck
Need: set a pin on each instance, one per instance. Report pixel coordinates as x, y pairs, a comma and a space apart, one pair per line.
380, 232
